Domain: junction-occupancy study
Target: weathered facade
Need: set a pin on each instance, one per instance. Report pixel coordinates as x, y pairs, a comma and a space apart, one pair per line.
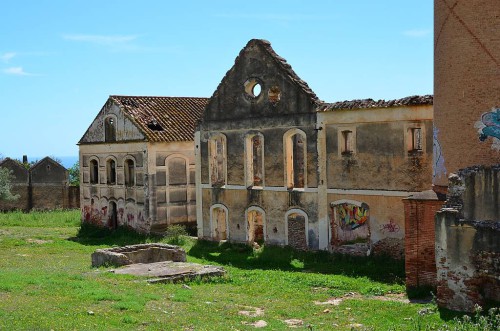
276, 164
467, 137
44, 186
137, 163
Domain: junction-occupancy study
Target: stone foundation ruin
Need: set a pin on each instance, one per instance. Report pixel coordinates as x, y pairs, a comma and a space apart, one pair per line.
159, 262
468, 240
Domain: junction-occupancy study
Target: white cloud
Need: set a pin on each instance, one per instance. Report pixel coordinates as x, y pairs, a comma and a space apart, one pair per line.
101, 39
6, 57
19, 71
417, 33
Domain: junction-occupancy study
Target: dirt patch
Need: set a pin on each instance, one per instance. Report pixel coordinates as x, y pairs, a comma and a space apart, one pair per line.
294, 323
251, 311
257, 324
395, 297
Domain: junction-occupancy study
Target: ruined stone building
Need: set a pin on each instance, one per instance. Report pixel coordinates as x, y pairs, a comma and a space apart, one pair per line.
137, 163
43, 186
276, 164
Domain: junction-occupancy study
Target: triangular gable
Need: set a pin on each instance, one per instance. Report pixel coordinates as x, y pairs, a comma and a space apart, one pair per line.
126, 129
257, 66
48, 170
18, 170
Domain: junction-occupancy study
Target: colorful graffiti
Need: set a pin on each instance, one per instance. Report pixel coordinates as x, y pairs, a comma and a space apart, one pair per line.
390, 227
351, 216
489, 126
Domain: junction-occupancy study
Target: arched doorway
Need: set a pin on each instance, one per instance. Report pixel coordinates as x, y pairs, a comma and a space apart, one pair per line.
255, 225
218, 217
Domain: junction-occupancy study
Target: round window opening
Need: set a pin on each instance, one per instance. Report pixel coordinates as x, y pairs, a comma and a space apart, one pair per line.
253, 88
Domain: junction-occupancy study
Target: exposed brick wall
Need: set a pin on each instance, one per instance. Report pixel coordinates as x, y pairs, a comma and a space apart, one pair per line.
297, 233
466, 81
420, 263
21, 203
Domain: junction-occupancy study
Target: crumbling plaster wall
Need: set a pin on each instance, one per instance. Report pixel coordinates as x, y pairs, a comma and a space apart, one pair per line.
380, 160
467, 240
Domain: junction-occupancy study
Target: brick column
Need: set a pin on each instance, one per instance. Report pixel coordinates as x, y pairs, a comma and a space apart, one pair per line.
420, 265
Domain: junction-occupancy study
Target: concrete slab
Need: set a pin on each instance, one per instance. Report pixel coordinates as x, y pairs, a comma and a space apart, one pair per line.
169, 271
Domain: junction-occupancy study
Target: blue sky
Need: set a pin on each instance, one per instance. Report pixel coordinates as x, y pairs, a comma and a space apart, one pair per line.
60, 60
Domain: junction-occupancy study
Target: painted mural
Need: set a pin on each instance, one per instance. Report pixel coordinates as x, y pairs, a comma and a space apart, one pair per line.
349, 223
489, 126
351, 216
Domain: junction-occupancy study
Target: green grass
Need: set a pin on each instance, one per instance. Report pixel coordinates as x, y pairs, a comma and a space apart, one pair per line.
47, 283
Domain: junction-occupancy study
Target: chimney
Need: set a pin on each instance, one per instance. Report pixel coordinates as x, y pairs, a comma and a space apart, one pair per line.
25, 159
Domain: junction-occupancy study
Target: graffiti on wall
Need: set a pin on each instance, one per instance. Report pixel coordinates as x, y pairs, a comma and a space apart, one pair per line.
489, 126
439, 170
351, 216
390, 227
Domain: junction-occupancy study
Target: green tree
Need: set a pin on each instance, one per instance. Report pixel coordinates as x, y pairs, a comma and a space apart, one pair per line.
5, 185
74, 174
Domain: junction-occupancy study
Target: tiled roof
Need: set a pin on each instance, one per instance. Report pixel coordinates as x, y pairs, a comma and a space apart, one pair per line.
163, 118
286, 68
415, 100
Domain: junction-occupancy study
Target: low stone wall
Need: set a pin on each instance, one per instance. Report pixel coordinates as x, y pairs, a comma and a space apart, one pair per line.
467, 240
142, 253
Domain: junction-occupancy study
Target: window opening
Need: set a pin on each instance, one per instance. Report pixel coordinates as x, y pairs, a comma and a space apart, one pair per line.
109, 129
111, 172
94, 172
253, 88
416, 139
295, 151
129, 173
347, 148
255, 160
218, 160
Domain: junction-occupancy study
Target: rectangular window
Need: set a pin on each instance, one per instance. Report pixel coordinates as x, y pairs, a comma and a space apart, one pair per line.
347, 143
416, 139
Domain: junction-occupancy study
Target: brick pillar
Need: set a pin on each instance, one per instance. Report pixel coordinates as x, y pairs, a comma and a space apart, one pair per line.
420, 265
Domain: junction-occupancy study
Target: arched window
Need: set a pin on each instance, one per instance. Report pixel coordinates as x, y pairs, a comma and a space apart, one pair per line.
217, 162
94, 172
111, 171
110, 129
295, 158
129, 172
254, 160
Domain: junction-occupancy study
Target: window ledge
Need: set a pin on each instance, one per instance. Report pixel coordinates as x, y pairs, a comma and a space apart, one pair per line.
255, 188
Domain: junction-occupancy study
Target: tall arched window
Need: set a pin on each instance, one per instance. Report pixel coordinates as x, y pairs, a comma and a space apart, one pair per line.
217, 162
94, 172
254, 160
129, 172
110, 129
295, 158
111, 171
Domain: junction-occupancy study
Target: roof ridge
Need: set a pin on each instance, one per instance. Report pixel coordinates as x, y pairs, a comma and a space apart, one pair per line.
412, 100
282, 62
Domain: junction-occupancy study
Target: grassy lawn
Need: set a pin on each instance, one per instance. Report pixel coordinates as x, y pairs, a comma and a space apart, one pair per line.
47, 283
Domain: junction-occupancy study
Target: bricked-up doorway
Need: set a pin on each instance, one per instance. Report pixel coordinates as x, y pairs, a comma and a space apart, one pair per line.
218, 217
296, 226
255, 225
349, 222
